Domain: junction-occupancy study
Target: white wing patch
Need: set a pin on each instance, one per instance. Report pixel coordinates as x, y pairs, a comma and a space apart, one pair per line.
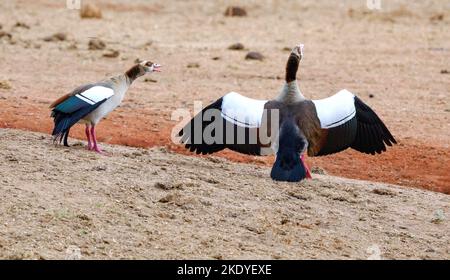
96, 94
336, 110
242, 111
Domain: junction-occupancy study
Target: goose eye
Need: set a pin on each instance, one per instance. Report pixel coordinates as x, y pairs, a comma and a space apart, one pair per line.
149, 64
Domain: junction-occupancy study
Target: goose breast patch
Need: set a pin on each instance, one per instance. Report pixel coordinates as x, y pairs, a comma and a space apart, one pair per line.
242, 111
335, 110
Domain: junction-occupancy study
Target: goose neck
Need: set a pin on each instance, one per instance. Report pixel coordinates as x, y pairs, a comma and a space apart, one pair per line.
290, 93
133, 73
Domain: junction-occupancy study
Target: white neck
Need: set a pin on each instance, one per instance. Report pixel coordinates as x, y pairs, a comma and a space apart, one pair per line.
121, 84
290, 93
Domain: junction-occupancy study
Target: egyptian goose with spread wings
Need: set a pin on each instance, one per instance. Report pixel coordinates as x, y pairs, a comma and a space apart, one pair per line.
289, 126
90, 103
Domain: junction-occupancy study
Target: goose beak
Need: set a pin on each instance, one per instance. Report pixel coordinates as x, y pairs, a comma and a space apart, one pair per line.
157, 67
308, 171
300, 48
298, 51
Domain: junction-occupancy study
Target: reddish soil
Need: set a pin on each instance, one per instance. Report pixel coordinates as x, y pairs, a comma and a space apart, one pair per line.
410, 163
154, 204
398, 55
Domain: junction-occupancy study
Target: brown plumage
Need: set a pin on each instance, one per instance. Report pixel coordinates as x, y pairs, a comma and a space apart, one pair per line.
90, 103
316, 127
60, 100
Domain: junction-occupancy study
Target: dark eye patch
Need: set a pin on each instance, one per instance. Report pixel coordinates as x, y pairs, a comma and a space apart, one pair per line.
149, 63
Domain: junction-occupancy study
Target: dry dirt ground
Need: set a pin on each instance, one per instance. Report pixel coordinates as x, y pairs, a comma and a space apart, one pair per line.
59, 202
399, 55
396, 59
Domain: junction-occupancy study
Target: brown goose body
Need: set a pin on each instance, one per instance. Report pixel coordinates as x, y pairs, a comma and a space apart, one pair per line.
90, 103
289, 126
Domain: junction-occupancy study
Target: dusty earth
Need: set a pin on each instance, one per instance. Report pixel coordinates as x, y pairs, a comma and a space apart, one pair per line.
139, 203
396, 59
399, 55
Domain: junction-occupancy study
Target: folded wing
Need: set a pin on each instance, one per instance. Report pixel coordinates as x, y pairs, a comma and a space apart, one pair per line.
72, 107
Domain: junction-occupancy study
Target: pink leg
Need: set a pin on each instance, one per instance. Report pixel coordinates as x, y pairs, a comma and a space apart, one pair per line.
94, 140
88, 136
308, 171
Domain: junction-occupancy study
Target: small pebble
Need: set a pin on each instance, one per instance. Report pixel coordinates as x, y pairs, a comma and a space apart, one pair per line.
166, 198
150, 80
56, 37
193, 65
5, 85
22, 25
111, 54
5, 34
90, 11
236, 46
235, 11
96, 44
254, 56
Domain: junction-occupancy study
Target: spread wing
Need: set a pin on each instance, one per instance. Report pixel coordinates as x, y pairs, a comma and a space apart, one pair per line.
233, 122
347, 122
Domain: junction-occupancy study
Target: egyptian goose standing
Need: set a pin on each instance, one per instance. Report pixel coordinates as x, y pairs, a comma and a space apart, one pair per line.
318, 127
90, 103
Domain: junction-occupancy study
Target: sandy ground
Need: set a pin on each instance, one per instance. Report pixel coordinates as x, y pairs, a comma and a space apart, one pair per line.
400, 55
58, 202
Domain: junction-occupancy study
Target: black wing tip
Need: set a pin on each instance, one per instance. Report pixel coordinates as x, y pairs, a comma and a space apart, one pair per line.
187, 134
392, 139
64, 121
372, 130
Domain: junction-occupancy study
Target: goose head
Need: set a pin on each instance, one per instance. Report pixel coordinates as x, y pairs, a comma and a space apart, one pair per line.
149, 67
140, 69
292, 64
298, 51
